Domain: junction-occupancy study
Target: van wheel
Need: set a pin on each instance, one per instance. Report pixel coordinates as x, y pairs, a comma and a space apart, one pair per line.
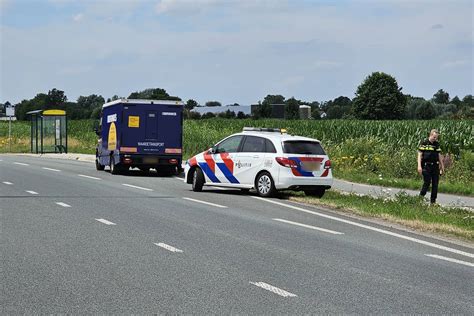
198, 180
319, 192
114, 169
264, 185
98, 166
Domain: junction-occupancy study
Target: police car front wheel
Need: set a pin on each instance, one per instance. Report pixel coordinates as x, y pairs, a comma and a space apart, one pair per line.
264, 185
198, 180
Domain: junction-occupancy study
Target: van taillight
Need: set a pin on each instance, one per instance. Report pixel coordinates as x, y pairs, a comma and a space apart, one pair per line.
285, 162
327, 164
127, 160
173, 161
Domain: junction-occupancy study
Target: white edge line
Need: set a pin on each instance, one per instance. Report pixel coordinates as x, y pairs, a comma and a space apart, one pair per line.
273, 289
426, 243
104, 221
51, 169
204, 202
451, 260
63, 204
32, 192
168, 247
308, 226
8, 183
89, 177
136, 187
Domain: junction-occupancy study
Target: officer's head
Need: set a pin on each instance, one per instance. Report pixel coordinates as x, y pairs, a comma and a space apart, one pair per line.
434, 134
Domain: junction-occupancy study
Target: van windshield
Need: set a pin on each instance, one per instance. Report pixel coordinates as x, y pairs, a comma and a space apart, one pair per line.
303, 148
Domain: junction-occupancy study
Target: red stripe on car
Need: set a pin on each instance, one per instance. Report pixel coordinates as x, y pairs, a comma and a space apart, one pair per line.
228, 162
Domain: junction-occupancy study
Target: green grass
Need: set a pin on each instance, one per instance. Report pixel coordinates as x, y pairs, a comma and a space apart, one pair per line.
404, 209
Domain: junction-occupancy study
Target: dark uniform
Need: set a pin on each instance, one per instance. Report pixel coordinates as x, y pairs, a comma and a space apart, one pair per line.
430, 167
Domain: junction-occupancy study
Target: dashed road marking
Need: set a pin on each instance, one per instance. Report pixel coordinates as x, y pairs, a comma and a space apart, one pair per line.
8, 183
273, 289
32, 192
21, 163
104, 221
63, 204
136, 187
51, 169
88, 177
419, 241
168, 247
204, 202
308, 226
451, 260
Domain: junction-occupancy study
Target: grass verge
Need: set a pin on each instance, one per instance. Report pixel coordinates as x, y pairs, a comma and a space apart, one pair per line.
404, 209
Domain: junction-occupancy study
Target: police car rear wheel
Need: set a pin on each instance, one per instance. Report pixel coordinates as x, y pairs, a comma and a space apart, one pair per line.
264, 185
198, 180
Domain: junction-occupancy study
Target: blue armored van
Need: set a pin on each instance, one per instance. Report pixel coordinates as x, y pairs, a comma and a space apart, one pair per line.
140, 133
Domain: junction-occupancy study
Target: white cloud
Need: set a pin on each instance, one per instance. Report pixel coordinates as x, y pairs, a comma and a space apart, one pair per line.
327, 64
78, 17
455, 64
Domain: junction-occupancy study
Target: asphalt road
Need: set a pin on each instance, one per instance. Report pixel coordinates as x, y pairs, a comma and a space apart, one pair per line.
75, 240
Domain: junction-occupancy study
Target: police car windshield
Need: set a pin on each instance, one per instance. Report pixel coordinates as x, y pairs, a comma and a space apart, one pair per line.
303, 148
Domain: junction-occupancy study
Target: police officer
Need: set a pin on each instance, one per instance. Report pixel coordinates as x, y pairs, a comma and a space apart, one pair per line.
430, 164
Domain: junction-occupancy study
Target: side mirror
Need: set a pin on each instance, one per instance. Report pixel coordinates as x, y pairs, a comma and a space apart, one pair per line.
212, 150
96, 128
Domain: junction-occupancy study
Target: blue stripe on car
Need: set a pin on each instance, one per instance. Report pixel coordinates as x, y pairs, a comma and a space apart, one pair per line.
227, 172
208, 172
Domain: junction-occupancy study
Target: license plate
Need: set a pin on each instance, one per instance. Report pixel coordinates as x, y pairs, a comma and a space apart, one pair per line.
150, 160
310, 166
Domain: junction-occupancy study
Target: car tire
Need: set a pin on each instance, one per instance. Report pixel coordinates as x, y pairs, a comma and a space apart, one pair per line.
114, 169
264, 185
198, 180
319, 192
98, 166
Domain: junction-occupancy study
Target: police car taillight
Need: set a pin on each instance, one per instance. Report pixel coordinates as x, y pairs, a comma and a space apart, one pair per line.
285, 162
327, 164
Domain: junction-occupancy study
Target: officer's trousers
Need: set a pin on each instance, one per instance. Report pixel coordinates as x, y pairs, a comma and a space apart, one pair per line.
430, 176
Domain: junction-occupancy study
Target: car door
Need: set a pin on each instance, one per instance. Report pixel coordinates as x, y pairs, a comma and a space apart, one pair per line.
222, 160
249, 159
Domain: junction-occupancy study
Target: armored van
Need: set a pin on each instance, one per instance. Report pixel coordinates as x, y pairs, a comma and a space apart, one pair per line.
140, 133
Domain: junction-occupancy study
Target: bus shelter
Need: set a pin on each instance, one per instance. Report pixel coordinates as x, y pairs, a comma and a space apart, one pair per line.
48, 131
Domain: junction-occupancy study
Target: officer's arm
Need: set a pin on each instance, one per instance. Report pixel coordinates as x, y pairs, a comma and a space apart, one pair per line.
419, 162
441, 164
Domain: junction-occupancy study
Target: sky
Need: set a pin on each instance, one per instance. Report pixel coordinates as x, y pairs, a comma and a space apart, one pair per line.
233, 51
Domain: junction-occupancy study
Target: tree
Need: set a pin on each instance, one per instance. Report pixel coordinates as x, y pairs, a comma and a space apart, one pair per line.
425, 111
241, 115
378, 98
153, 94
208, 115
213, 103
90, 102
190, 104
412, 105
292, 108
264, 109
55, 99
456, 101
441, 97
468, 101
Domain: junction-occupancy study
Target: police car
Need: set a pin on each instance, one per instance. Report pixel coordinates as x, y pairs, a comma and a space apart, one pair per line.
263, 159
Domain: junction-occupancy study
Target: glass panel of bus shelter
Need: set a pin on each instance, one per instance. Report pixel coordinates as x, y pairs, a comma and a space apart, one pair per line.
49, 134
63, 131
34, 134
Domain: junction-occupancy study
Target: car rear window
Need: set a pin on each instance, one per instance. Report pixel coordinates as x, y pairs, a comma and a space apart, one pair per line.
303, 148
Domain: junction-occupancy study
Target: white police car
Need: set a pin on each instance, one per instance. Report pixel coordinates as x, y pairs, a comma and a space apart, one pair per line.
264, 159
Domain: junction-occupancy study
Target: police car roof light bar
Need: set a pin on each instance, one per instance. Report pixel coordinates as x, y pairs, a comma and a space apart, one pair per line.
264, 129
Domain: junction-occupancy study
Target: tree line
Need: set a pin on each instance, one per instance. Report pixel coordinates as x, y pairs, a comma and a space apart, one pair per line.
378, 97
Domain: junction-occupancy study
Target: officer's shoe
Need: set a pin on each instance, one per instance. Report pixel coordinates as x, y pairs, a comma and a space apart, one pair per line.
434, 204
